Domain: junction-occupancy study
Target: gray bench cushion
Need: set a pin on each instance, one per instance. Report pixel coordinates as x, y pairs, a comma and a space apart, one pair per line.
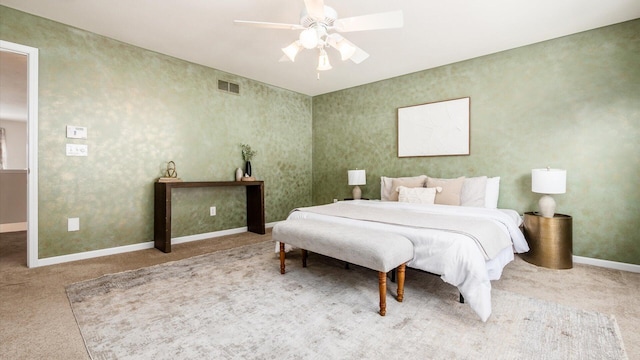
376, 250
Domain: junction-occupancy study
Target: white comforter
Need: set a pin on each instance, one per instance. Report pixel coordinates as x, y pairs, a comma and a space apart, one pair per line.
458, 260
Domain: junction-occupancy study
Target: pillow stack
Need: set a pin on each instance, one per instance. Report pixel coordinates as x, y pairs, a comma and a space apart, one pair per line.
480, 191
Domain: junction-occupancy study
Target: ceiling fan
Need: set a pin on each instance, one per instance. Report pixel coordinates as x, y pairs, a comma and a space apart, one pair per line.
321, 27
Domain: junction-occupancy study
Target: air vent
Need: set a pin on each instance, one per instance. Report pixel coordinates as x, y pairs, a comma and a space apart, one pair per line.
229, 87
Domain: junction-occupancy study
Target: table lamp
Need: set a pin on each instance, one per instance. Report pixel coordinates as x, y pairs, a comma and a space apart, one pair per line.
357, 177
548, 181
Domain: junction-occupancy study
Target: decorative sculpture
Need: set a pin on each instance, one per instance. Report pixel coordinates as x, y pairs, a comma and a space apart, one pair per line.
171, 174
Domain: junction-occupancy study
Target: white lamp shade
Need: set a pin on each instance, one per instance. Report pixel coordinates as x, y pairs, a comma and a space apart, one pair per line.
357, 177
549, 181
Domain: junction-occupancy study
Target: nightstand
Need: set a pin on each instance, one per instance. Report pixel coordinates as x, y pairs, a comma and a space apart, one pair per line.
550, 240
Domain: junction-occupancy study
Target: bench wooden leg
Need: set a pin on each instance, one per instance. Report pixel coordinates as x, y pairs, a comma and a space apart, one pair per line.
401, 272
382, 285
281, 257
304, 257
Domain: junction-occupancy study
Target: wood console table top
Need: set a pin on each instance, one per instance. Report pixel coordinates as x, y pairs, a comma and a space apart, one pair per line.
162, 207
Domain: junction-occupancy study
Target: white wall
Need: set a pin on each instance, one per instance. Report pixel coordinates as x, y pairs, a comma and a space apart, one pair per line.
16, 135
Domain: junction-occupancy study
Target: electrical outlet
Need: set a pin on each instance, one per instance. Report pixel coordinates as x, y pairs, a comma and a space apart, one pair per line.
212, 211
73, 224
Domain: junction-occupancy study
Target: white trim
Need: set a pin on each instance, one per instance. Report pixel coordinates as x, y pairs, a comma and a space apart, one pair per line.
13, 227
607, 264
32, 135
184, 239
94, 254
135, 247
189, 238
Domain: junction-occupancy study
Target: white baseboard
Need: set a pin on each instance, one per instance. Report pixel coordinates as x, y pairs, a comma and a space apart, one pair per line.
135, 247
184, 239
12, 227
607, 264
93, 254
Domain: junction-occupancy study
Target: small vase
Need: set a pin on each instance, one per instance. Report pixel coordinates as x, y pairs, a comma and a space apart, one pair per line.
247, 169
239, 174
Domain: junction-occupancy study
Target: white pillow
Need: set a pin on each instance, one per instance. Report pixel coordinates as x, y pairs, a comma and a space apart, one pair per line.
418, 195
386, 188
473, 191
492, 192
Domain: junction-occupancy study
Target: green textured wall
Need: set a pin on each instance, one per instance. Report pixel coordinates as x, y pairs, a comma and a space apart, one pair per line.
143, 109
571, 103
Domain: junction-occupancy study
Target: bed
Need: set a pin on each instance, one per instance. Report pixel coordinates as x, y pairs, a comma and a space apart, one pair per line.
454, 224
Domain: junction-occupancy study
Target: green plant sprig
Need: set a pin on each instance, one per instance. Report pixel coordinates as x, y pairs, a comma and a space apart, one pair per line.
247, 152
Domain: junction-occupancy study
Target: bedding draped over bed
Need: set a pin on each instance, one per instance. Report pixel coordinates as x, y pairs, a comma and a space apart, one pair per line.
487, 234
456, 242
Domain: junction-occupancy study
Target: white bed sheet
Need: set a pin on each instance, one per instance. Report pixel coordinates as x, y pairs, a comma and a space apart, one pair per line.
457, 259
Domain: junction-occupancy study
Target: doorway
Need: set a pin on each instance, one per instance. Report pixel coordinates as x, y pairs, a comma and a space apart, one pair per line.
30, 56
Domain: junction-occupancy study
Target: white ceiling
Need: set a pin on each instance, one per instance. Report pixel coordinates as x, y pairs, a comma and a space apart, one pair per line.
435, 33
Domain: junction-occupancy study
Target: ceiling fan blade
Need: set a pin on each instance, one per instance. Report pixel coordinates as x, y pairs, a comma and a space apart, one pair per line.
269, 25
315, 8
346, 48
387, 20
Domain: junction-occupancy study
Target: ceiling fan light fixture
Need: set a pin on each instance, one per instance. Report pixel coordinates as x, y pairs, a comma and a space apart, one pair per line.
346, 50
320, 27
323, 61
292, 50
309, 38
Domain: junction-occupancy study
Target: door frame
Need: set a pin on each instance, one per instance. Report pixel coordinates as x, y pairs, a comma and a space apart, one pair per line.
32, 139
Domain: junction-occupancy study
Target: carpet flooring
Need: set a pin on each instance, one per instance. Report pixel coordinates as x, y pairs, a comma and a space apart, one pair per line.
36, 320
235, 304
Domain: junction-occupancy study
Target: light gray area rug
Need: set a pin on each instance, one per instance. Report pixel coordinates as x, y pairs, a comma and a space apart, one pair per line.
235, 304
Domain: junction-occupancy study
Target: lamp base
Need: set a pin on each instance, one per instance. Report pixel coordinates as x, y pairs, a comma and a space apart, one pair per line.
547, 206
357, 193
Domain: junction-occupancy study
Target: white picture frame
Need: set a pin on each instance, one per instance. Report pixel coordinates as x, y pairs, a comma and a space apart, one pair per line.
435, 129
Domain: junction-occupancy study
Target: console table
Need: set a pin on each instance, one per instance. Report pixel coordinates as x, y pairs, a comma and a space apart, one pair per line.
162, 207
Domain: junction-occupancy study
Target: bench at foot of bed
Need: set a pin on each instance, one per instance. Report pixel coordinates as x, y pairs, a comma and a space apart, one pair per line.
376, 250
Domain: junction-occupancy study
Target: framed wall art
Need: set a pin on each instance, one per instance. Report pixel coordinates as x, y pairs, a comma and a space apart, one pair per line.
434, 129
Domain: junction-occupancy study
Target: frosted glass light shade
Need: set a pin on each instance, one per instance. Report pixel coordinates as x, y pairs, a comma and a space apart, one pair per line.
292, 50
346, 49
309, 38
323, 61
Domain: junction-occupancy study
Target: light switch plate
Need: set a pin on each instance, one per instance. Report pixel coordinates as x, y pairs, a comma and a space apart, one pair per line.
76, 132
77, 150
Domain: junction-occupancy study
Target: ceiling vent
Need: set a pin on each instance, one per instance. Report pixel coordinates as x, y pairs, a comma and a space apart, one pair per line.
229, 87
